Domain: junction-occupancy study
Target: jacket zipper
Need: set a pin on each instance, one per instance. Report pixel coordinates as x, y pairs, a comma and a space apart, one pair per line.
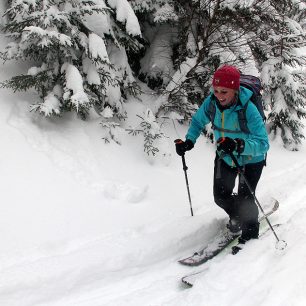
222, 124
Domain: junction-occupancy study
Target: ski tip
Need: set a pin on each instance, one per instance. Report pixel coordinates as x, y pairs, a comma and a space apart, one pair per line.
190, 279
276, 204
186, 282
190, 263
184, 263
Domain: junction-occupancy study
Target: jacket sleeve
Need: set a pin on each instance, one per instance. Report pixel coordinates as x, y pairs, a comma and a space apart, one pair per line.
198, 121
257, 142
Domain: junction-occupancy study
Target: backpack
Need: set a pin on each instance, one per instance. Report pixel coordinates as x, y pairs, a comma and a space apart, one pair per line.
252, 83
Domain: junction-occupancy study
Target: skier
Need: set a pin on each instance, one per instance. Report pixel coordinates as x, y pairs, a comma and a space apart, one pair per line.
249, 149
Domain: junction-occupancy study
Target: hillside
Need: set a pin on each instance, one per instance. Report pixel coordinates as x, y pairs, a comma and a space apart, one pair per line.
87, 223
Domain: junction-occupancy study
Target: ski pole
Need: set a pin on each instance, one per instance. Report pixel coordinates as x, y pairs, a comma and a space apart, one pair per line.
185, 168
280, 244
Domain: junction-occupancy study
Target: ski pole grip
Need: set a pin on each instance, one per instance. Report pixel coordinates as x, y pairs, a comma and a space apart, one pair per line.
220, 140
178, 141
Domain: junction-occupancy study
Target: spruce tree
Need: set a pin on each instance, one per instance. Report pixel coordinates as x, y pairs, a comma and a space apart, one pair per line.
203, 37
275, 41
260, 35
75, 69
283, 77
159, 66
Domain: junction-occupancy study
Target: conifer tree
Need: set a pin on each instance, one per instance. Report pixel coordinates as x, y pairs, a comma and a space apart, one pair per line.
274, 41
260, 35
202, 37
283, 77
156, 66
159, 65
75, 69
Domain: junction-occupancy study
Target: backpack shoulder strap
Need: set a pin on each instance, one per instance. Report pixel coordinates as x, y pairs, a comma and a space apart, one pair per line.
212, 110
212, 114
243, 123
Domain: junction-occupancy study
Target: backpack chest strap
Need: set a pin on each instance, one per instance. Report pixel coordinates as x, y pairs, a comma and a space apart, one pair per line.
241, 113
215, 127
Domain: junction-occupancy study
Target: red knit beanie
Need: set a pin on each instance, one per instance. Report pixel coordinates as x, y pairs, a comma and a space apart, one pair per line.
227, 76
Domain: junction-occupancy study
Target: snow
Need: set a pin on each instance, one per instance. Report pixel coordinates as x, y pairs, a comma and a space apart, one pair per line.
107, 112
74, 82
91, 72
178, 78
119, 57
35, 70
3, 6
157, 60
85, 223
125, 14
97, 47
50, 106
232, 4
99, 23
164, 13
46, 35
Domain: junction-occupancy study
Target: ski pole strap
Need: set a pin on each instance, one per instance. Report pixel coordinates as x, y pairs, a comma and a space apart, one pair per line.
240, 169
234, 159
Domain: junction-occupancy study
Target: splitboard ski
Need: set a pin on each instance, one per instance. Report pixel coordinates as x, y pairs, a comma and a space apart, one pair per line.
191, 278
220, 242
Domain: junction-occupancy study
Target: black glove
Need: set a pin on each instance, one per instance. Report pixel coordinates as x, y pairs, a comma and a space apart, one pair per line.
229, 145
183, 146
240, 145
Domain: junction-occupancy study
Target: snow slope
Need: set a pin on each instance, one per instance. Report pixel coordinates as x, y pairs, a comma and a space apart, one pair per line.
84, 223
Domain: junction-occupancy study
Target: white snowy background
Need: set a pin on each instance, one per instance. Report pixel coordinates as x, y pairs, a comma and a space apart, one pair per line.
85, 223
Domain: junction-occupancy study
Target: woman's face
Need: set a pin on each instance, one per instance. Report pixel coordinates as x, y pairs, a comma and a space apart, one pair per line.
224, 95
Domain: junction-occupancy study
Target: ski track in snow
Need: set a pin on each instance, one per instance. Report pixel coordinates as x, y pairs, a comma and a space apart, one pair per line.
79, 161
137, 267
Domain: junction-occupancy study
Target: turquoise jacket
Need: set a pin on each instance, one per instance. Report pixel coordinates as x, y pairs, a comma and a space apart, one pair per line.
256, 142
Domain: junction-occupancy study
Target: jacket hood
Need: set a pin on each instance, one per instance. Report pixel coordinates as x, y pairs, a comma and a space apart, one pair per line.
244, 95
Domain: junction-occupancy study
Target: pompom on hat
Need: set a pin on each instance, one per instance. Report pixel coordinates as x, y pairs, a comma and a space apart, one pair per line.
227, 76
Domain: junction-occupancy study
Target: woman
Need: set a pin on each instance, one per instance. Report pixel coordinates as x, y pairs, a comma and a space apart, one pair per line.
227, 98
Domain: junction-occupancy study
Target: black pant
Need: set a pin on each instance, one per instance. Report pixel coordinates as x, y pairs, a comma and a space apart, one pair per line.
241, 206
